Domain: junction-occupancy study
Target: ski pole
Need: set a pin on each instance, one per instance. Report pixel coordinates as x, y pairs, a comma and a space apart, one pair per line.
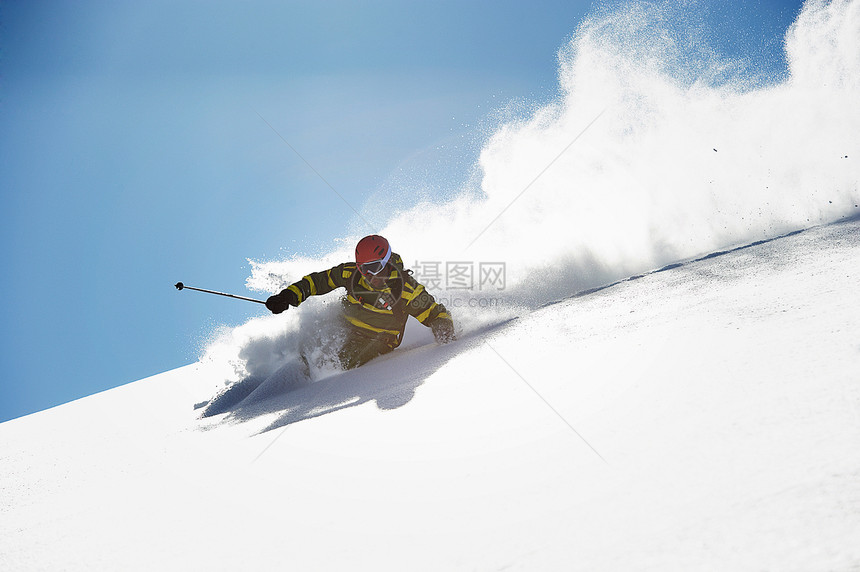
180, 286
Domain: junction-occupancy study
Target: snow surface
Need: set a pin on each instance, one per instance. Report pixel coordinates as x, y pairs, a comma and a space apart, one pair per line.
703, 417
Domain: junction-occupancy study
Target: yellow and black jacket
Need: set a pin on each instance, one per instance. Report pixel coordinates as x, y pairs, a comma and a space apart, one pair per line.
378, 312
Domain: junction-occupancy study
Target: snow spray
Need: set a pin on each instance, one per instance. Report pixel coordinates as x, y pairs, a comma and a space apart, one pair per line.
655, 150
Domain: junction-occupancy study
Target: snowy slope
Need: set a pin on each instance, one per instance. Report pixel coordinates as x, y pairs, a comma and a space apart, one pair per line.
705, 417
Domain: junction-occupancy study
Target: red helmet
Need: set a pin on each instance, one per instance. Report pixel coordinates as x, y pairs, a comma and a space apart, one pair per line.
372, 254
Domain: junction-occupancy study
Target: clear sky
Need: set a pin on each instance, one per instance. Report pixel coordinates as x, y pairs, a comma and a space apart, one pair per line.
141, 144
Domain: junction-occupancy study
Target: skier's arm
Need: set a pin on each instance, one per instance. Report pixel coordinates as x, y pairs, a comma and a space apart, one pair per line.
313, 284
422, 305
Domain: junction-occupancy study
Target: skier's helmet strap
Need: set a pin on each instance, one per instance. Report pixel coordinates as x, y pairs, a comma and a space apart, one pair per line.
372, 254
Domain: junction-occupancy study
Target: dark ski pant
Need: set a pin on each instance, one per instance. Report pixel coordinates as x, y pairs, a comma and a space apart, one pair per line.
359, 348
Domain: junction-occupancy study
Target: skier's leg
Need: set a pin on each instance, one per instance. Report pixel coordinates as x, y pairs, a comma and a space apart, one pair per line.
358, 349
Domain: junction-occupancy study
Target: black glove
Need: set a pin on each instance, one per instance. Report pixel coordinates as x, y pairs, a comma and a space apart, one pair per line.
443, 330
280, 302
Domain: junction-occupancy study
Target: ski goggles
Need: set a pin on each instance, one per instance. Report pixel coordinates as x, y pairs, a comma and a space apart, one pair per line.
374, 267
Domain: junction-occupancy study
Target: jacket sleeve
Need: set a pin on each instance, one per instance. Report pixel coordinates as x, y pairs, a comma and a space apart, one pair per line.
314, 284
422, 304
429, 312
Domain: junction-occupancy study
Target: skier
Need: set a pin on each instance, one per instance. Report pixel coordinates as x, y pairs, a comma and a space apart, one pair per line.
380, 297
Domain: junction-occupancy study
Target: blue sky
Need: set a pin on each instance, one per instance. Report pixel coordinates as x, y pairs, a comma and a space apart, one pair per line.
136, 151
